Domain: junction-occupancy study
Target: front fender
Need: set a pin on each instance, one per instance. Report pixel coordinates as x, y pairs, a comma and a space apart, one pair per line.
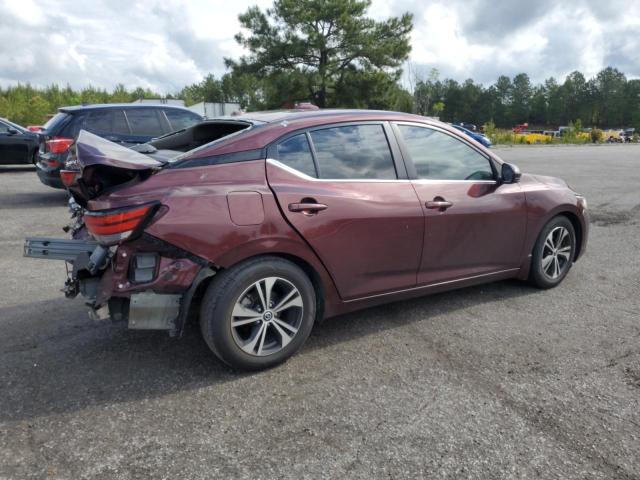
544, 205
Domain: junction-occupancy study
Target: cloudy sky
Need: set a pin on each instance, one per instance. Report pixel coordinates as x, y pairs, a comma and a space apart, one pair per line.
166, 44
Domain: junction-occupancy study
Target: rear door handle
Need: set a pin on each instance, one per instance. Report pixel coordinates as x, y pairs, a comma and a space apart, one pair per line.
438, 204
307, 208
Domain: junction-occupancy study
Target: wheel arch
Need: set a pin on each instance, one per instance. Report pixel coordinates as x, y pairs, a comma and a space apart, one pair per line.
209, 275
577, 228
537, 223
310, 271
327, 296
573, 214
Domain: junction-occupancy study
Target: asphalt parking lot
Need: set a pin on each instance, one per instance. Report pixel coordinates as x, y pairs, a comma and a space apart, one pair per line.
497, 381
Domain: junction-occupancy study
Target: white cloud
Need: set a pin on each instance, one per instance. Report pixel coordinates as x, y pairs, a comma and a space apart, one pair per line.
166, 44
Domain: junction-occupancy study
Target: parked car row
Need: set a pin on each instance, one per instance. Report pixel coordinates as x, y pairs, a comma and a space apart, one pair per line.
477, 136
620, 136
49, 146
126, 124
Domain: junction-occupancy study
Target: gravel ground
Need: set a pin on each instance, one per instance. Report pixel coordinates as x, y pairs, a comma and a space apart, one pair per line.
498, 381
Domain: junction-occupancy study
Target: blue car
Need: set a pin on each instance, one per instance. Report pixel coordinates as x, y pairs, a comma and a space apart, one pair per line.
477, 136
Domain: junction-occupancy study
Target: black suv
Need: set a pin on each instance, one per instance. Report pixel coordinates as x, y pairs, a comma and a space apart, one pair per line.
128, 124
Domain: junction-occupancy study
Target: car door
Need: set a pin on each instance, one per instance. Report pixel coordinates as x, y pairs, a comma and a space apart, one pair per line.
474, 225
14, 147
345, 192
5, 139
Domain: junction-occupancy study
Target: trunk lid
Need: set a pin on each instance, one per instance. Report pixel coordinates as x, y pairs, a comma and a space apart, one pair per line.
93, 150
102, 166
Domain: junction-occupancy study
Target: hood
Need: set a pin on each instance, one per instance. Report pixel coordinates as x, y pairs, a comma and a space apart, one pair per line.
93, 150
551, 181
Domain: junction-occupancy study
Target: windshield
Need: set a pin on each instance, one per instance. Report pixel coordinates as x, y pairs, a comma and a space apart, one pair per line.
14, 125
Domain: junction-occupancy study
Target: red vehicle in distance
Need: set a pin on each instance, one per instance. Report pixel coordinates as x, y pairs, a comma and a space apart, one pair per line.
265, 223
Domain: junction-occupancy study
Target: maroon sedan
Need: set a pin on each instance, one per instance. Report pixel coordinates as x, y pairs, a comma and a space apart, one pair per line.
266, 223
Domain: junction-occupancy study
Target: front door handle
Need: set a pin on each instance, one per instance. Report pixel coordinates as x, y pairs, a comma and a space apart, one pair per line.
307, 208
438, 203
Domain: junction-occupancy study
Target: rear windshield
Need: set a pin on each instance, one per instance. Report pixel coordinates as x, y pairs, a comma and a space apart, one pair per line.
203, 134
14, 125
56, 120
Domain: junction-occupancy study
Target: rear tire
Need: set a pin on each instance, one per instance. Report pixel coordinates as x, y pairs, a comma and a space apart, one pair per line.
553, 253
257, 314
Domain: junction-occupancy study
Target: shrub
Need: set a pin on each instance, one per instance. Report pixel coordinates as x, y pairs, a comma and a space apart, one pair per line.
578, 125
489, 129
596, 135
536, 138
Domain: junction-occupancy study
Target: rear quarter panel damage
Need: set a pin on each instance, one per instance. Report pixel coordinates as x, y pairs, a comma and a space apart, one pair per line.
202, 219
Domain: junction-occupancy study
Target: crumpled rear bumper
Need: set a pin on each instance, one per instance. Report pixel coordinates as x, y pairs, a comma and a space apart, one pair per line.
145, 283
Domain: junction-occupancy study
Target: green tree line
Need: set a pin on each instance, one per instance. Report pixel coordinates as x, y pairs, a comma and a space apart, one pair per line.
607, 100
26, 104
330, 53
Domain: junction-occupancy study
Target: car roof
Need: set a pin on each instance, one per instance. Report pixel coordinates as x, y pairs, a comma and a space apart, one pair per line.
275, 125
275, 116
101, 106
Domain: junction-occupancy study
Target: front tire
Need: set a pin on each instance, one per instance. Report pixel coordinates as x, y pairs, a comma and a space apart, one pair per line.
553, 253
257, 314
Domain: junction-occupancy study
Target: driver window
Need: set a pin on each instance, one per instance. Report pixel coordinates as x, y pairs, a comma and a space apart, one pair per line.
438, 156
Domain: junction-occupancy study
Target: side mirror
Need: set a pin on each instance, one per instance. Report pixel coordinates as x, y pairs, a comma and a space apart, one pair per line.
510, 173
12, 131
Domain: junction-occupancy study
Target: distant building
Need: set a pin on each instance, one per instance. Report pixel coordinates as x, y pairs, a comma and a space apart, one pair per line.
213, 110
161, 101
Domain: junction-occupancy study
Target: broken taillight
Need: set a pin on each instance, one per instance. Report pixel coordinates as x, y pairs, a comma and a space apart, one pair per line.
112, 226
59, 145
69, 177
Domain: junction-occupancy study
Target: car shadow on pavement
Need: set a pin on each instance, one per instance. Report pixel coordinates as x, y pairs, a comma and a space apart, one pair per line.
55, 360
16, 168
397, 314
51, 198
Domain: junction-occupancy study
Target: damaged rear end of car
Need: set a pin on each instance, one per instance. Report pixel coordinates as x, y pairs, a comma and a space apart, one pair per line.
122, 272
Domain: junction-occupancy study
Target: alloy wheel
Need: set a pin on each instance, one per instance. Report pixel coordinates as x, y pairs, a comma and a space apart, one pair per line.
267, 316
556, 252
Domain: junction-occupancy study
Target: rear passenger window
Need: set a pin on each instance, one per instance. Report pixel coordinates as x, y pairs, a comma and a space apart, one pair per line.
98, 122
179, 119
144, 121
353, 152
295, 153
106, 122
